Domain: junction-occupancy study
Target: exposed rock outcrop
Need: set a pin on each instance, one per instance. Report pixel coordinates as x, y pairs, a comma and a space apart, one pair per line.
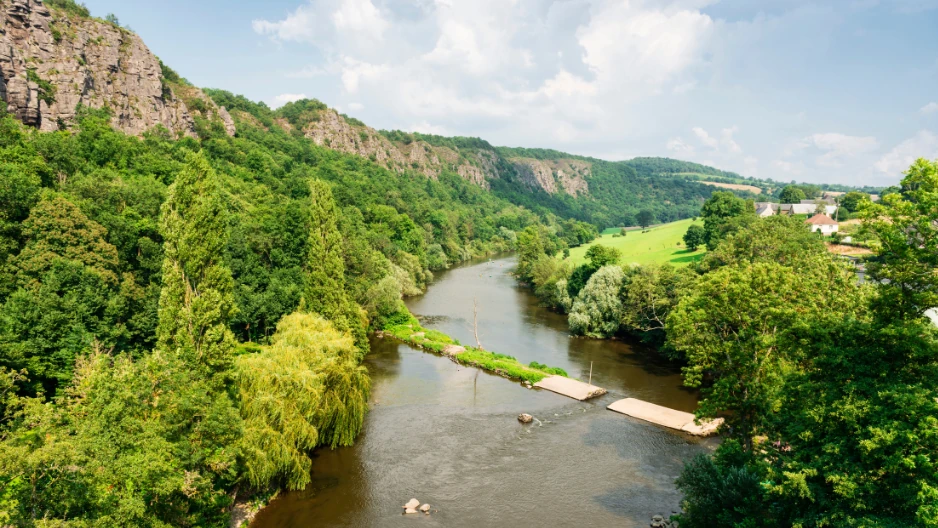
334, 131
552, 176
50, 61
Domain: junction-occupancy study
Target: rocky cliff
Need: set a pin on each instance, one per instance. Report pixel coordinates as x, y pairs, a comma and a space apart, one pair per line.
53, 59
568, 175
332, 130
478, 165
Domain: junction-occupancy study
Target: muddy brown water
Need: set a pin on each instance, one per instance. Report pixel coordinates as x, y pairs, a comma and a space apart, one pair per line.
448, 436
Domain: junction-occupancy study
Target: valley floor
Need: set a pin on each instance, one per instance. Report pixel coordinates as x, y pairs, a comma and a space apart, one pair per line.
659, 244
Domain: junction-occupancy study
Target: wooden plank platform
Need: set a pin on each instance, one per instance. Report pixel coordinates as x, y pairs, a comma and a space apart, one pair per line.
659, 415
570, 387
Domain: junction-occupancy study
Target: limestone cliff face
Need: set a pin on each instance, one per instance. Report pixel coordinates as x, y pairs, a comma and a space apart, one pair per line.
334, 131
552, 176
50, 61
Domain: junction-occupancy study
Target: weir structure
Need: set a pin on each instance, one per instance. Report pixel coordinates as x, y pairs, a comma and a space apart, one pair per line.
659, 415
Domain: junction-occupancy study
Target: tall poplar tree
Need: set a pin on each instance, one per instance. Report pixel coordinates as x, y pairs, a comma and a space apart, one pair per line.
197, 299
324, 292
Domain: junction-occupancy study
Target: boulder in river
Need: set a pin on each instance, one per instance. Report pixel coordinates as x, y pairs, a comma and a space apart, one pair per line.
409, 510
412, 504
525, 418
425, 508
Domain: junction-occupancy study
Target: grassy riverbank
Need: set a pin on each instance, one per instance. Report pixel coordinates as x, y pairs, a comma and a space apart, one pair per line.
406, 328
660, 244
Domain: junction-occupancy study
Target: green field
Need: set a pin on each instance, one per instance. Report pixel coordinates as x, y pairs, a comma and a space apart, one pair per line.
659, 244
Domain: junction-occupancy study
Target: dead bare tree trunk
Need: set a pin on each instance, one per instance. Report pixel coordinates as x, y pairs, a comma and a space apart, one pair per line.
475, 322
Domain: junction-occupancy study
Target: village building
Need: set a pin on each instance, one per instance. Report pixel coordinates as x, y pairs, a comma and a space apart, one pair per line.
823, 223
766, 209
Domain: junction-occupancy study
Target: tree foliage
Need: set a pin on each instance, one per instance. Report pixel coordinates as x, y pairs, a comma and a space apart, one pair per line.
597, 310
722, 214
197, 301
695, 237
304, 390
324, 290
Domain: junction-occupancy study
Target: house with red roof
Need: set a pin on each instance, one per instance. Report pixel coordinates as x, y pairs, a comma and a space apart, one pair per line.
823, 223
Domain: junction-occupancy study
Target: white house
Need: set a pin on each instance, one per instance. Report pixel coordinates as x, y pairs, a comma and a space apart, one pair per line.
766, 209
823, 223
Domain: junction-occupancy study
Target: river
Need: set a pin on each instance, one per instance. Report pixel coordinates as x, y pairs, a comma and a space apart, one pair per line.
449, 436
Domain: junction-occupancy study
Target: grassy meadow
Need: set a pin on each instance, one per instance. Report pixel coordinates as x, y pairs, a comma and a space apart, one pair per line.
659, 244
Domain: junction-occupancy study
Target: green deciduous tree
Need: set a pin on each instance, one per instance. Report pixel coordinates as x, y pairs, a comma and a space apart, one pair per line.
781, 239
144, 443
306, 389
740, 326
695, 237
904, 226
791, 195
197, 299
853, 200
858, 426
649, 293
597, 310
645, 218
723, 213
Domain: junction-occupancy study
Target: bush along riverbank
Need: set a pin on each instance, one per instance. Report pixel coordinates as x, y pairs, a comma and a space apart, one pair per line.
405, 327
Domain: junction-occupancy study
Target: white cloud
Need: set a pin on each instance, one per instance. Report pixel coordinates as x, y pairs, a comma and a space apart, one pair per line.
426, 128
930, 108
679, 147
705, 138
285, 98
360, 16
356, 107
728, 142
837, 148
896, 161
354, 71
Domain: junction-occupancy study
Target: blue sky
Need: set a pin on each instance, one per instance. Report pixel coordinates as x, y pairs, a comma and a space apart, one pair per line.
841, 91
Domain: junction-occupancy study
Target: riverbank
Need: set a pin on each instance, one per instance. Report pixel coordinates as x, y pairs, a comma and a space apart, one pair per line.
407, 328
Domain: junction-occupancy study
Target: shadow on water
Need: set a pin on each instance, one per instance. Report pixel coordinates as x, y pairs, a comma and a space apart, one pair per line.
440, 432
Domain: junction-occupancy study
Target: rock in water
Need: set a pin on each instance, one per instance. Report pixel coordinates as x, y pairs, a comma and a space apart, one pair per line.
410, 510
525, 418
412, 504
425, 508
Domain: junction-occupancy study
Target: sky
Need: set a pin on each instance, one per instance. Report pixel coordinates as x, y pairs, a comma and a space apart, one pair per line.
837, 91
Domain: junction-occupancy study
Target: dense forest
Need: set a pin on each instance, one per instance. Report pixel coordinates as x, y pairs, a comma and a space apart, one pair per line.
230, 272
828, 384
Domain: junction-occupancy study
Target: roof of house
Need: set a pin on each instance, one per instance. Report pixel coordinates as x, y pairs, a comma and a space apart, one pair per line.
821, 219
765, 210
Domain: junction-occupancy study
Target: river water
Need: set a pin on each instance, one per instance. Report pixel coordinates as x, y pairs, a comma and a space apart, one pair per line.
449, 436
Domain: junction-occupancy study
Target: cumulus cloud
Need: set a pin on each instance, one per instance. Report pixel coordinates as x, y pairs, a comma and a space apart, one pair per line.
896, 161
285, 98
838, 148
586, 76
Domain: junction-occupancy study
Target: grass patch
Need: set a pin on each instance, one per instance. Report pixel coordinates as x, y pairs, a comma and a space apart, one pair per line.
405, 327
660, 244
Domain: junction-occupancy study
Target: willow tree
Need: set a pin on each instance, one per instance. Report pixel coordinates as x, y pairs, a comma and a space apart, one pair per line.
324, 291
197, 300
306, 389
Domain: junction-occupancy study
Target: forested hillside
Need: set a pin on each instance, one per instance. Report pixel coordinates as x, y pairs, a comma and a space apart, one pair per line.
236, 274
